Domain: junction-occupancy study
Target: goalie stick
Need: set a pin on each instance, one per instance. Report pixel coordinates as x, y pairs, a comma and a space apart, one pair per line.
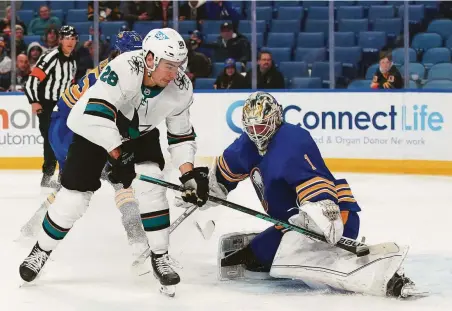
344, 243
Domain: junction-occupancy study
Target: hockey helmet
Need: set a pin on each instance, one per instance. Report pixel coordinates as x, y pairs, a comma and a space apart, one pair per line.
262, 115
68, 31
165, 43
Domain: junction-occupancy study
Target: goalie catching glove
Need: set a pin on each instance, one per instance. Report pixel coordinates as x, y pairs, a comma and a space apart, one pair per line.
196, 186
122, 169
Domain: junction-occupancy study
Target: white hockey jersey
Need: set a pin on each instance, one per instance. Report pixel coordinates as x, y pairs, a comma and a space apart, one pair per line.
119, 88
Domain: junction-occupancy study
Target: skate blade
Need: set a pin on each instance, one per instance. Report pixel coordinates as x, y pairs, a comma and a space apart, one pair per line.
169, 290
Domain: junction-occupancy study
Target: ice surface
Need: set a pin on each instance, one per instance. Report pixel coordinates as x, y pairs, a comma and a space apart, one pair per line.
90, 270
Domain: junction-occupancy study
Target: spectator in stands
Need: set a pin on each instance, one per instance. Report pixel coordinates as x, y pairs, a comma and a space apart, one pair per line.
387, 75
5, 23
230, 78
39, 24
85, 57
22, 73
199, 65
137, 11
108, 11
34, 51
51, 38
5, 61
268, 77
231, 45
21, 46
221, 10
197, 39
162, 11
193, 10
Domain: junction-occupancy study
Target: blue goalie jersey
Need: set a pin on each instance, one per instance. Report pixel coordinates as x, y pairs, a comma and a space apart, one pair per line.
291, 172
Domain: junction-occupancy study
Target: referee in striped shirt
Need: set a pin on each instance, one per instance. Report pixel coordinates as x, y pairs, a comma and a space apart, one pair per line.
54, 72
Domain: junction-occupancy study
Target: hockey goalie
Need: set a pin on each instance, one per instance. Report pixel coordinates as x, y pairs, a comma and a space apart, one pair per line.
294, 185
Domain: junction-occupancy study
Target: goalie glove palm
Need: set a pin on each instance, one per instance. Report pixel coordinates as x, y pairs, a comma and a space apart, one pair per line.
196, 186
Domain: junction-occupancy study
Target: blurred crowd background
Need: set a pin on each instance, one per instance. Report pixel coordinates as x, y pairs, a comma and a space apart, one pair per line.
244, 44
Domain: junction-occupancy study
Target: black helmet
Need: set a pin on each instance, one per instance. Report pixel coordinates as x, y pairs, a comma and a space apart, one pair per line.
68, 31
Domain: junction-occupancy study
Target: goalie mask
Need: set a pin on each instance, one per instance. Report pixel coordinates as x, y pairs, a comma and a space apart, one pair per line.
262, 116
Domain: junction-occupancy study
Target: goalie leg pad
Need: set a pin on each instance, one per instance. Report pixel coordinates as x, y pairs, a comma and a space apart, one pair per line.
230, 243
299, 257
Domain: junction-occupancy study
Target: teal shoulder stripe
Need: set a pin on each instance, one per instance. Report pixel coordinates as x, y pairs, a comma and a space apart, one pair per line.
100, 110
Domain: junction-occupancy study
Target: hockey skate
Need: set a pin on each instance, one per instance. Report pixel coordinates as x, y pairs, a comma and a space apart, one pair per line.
163, 271
33, 264
400, 286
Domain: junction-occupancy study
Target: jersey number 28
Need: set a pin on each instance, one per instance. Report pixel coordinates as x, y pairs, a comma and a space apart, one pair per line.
109, 76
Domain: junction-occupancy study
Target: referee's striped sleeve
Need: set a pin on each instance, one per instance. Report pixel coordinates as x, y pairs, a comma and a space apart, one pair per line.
43, 67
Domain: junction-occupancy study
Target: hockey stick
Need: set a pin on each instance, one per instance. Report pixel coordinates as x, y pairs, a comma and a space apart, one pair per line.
344, 243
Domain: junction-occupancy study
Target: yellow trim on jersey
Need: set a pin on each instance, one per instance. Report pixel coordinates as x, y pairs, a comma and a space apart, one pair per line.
314, 187
227, 173
344, 193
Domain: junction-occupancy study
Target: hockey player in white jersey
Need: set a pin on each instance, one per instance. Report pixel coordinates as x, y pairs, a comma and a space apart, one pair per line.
152, 83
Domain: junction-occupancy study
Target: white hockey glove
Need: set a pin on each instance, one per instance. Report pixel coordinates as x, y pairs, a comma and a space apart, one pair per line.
323, 217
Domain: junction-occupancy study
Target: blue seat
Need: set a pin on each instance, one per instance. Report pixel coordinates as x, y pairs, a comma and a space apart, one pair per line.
317, 26
429, 4
62, 5
308, 4
415, 12
306, 83
143, 28
290, 12
368, 3
184, 26
279, 54
391, 26
82, 27
381, 11
30, 39
259, 38
371, 41
213, 26
350, 12
318, 12
441, 71
443, 27
353, 25
217, 69
204, 83
33, 5
435, 56
59, 14
348, 56
416, 71
212, 37
276, 39
81, 4
311, 40
344, 39
371, 71
310, 55
279, 4
344, 3
285, 25
449, 43
26, 16
264, 13
424, 41
111, 28
398, 56
77, 15
412, 85
245, 26
293, 69
359, 84
438, 84
322, 71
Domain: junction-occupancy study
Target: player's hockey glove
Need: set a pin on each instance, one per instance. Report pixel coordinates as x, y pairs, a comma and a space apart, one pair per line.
122, 169
196, 186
